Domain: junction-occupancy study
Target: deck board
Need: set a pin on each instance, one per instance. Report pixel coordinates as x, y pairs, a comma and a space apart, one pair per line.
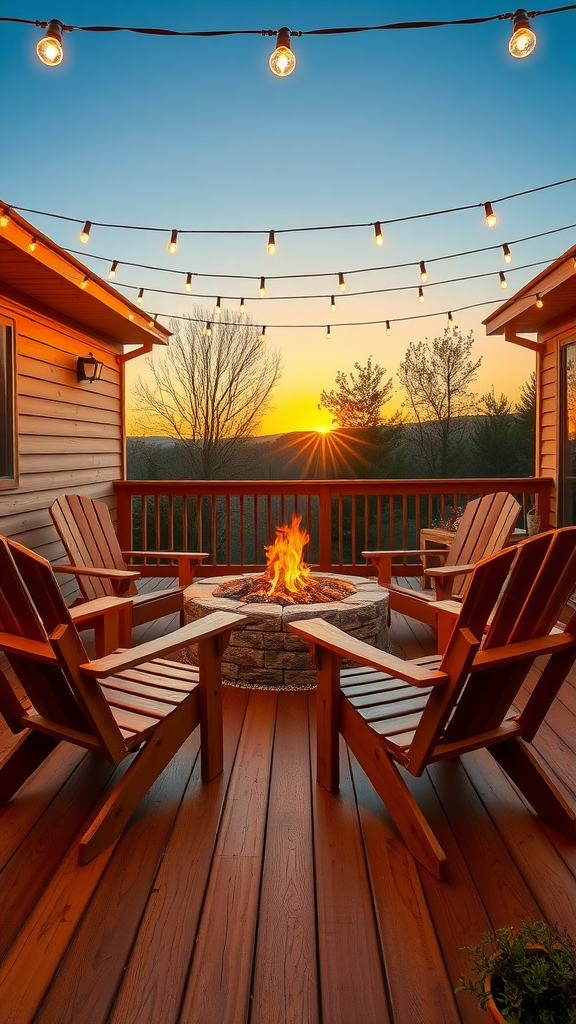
261, 898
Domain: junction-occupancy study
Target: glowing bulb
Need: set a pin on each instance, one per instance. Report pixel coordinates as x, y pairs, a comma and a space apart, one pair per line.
84, 235
32, 243
332, 304
140, 296
188, 285
84, 283
328, 335
4, 219
341, 282
388, 328
420, 294
506, 254
271, 243
523, 39
491, 218
282, 62
173, 243
217, 309
539, 302
451, 320
150, 323
49, 48
503, 281
262, 337
378, 236
207, 331
262, 289
573, 258
130, 316
423, 272
112, 271
242, 307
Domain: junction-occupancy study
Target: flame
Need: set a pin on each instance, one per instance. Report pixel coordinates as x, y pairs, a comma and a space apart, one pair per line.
286, 569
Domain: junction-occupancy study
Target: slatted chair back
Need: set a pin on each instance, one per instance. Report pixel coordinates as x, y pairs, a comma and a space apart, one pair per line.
484, 528
89, 537
538, 578
45, 652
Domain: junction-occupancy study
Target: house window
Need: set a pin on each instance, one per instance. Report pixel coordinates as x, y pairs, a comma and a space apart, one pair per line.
8, 459
568, 407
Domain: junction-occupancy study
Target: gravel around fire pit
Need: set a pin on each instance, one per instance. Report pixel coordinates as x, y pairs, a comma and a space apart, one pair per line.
264, 653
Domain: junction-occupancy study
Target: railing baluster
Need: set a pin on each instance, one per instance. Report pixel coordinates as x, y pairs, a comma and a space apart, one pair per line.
213, 531
185, 524
242, 556
171, 522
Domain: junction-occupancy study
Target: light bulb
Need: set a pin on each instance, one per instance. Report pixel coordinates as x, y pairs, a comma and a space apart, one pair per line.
507, 255
84, 235
332, 304
49, 48
378, 236
188, 285
328, 335
262, 289
173, 243
112, 271
217, 309
84, 283
341, 282
4, 219
262, 337
523, 39
140, 296
503, 281
490, 216
150, 323
207, 331
32, 243
539, 302
130, 316
423, 272
388, 328
451, 320
420, 294
573, 258
242, 307
271, 243
282, 61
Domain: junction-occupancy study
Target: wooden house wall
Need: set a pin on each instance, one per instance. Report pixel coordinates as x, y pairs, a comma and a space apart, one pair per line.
70, 435
548, 425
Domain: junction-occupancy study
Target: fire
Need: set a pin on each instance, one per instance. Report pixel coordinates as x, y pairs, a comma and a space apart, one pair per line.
286, 569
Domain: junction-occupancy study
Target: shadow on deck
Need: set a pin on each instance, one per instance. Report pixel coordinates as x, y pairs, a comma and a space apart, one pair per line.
259, 897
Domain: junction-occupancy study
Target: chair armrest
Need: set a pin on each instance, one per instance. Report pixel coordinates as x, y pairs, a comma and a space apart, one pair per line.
437, 552
383, 560
202, 629
187, 561
89, 570
80, 613
446, 571
324, 634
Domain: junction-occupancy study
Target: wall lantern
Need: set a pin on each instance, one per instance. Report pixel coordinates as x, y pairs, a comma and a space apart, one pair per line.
88, 369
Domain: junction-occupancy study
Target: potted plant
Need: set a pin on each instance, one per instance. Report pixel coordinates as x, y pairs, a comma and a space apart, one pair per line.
524, 975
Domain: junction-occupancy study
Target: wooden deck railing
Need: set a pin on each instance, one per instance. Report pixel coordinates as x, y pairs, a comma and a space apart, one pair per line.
233, 520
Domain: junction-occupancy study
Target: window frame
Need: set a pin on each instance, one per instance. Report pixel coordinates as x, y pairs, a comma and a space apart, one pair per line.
11, 415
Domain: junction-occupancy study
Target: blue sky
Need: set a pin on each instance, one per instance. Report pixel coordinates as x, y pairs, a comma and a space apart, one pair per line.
198, 133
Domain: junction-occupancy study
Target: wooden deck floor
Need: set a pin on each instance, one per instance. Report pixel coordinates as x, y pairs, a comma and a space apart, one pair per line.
262, 899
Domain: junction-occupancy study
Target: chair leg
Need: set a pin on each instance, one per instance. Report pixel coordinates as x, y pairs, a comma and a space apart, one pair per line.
165, 741
27, 754
393, 791
517, 760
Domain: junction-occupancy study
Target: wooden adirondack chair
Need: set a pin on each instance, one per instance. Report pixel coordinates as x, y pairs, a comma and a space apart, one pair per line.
88, 535
104, 706
485, 527
392, 712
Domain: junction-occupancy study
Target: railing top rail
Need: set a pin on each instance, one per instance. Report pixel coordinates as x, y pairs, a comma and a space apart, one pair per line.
460, 485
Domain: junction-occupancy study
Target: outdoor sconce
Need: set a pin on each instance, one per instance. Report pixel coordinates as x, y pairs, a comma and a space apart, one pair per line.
88, 369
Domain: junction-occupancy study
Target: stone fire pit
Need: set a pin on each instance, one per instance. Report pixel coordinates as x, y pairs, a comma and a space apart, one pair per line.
263, 652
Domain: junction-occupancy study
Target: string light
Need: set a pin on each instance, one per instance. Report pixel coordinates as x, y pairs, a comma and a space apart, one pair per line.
282, 61
271, 243
32, 243
262, 337
188, 284
332, 304
490, 216
574, 262
539, 302
207, 332
140, 296
218, 309
262, 289
523, 39
242, 307
84, 283
423, 272
341, 282
130, 316
506, 254
328, 334
378, 236
84, 235
420, 294
173, 243
388, 328
4, 218
113, 268
49, 48
451, 321
151, 323
503, 281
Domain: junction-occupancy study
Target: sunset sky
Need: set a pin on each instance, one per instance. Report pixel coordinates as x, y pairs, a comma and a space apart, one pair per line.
197, 133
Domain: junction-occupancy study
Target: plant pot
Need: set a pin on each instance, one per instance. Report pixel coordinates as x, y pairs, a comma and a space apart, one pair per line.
491, 1008
533, 521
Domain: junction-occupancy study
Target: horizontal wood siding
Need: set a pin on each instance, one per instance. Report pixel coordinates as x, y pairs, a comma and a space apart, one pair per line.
69, 434
548, 427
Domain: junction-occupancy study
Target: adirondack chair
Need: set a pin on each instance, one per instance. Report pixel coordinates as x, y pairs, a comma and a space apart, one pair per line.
392, 712
88, 536
104, 705
485, 527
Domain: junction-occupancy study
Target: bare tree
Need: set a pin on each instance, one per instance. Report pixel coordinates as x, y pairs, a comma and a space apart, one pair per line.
436, 377
208, 391
358, 398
